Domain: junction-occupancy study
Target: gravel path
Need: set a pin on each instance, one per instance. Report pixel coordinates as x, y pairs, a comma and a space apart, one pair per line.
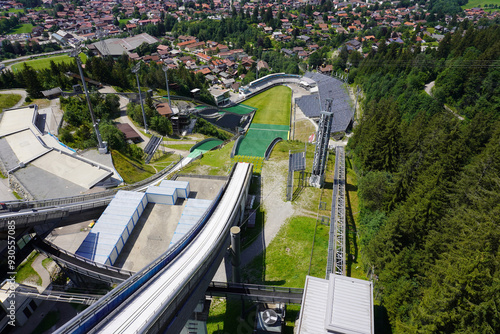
277, 212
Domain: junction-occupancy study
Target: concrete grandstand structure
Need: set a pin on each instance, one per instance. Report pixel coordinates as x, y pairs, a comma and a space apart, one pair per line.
29, 154
323, 87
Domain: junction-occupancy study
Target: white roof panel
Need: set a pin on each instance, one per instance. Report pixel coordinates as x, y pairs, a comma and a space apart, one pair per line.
338, 305
174, 184
161, 191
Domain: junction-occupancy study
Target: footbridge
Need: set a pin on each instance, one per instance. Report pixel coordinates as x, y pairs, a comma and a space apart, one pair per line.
254, 292
161, 297
81, 265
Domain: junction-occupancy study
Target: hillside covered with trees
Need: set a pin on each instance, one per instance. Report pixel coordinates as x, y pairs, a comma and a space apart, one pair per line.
430, 182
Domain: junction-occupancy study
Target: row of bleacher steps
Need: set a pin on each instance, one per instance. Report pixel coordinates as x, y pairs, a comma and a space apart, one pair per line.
152, 146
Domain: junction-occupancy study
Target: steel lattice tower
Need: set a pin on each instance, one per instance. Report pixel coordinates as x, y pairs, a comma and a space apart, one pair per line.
321, 151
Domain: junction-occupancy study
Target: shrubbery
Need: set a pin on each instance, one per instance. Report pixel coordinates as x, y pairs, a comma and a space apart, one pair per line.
208, 129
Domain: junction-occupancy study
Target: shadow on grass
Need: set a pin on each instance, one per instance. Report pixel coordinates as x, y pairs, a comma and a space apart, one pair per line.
50, 320
301, 185
351, 231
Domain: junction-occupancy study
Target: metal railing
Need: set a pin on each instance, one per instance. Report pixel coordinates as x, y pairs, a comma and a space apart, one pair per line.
267, 293
40, 243
336, 241
57, 202
99, 311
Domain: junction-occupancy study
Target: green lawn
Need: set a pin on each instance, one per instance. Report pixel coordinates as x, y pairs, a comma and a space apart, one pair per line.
123, 21
217, 162
46, 262
130, 170
13, 10
482, 4
26, 272
180, 146
42, 63
303, 130
273, 106
22, 29
8, 100
286, 260
164, 160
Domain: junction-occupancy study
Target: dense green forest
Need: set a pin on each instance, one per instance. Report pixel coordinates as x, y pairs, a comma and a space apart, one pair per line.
430, 182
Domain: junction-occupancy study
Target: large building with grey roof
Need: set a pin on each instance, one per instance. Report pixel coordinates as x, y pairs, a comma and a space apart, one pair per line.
115, 47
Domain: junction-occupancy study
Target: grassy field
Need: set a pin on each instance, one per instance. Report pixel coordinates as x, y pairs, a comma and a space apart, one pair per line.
273, 106
482, 4
180, 146
130, 170
217, 162
123, 21
163, 160
8, 100
22, 29
287, 260
25, 271
303, 129
42, 63
355, 266
46, 262
13, 10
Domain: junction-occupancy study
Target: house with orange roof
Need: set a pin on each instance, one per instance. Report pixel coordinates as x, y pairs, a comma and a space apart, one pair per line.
203, 57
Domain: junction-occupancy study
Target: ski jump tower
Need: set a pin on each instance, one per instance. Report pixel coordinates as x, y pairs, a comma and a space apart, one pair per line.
321, 152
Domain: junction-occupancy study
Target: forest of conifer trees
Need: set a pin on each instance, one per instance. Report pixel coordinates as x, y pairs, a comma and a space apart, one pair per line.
430, 182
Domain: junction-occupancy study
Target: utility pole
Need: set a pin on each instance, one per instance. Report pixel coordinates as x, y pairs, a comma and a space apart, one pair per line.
135, 70
165, 68
102, 146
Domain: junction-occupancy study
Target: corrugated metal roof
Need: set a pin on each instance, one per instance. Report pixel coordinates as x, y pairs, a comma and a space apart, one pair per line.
128, 131
350, 308
338, 305
112, 229
313, 308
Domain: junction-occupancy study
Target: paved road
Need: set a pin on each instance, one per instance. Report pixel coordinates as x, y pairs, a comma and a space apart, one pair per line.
23, 58
5, 191
429, 87
21, 92
428, 90
40, 269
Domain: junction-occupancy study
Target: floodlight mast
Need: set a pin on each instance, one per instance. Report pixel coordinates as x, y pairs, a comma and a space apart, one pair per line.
135, 70
102, 146
165, 69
